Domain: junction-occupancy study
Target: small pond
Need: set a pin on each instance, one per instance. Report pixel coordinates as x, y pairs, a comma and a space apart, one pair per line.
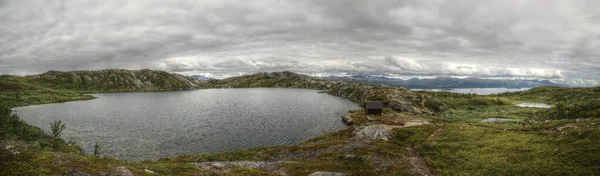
534, 105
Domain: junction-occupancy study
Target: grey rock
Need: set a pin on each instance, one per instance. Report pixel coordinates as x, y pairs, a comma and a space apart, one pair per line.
122, 171
377, 132
402, 107
582, 120
496, 120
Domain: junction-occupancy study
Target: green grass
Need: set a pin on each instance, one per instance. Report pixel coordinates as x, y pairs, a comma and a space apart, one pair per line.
254, 154
412, 136
471, 150
244, 171
19, 91
536, 142
569, 103
353, 167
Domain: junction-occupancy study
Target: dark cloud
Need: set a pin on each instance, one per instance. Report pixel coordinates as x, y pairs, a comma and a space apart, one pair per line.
537, 39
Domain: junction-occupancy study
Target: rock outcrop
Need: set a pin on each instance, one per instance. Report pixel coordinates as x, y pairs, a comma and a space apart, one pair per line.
383, 131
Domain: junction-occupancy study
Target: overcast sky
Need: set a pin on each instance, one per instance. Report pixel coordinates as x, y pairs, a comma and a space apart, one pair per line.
521, 38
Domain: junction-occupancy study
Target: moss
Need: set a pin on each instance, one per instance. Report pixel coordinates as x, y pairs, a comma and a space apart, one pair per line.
254, 154
412, 136
306, 167
163, 168
244, 171
469, 150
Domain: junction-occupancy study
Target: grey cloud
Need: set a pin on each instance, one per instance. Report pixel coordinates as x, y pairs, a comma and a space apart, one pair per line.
531, 38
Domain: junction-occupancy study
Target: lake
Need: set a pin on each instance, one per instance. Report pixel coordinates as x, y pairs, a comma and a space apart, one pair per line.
479, 91
152, 125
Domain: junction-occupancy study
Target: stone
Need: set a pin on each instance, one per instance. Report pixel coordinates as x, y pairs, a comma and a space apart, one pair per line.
402, 107
149, 171
377, 132
123, 171
582, 120
495, 120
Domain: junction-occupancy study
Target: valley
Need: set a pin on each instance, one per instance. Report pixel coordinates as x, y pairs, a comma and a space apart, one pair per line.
418, 133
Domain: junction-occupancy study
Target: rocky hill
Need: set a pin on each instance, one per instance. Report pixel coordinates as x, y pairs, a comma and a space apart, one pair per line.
56, 86
114, 80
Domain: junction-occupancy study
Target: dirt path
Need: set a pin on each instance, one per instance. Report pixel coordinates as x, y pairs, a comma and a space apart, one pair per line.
416, 160
435, 134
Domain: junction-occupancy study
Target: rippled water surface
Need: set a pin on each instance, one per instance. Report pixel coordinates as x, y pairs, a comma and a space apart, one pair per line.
151, 125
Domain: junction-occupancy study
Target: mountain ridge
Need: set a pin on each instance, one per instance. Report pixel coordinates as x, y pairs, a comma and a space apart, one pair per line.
119, 80
448, 82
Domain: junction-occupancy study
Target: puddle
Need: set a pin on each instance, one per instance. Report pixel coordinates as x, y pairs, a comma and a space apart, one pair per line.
535, 105
496, 120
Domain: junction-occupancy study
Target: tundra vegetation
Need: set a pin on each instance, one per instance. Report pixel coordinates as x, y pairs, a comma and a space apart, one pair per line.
419, 133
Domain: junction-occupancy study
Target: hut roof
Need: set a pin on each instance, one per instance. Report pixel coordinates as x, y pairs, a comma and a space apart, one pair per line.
373, 105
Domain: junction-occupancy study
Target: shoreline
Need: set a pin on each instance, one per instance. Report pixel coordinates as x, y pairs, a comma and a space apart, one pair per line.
134, 161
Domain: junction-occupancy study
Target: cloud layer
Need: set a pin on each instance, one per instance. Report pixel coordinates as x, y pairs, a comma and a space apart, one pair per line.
524, 38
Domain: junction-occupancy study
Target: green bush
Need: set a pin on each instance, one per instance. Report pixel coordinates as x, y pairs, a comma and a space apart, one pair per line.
12, 127
56, 129
97, 150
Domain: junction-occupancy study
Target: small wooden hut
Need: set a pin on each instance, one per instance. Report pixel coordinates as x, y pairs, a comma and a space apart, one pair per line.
373, 107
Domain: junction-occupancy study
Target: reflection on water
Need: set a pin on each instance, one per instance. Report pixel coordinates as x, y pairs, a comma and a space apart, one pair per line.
151, 125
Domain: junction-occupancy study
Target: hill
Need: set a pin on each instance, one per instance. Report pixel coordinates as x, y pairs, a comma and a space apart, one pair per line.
57, 86
115, 80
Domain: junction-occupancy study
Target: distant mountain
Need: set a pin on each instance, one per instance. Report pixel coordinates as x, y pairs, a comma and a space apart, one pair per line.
447, 82
200, 77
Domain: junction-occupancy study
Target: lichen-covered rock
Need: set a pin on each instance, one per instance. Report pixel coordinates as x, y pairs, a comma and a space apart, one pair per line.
381, 131
376, 132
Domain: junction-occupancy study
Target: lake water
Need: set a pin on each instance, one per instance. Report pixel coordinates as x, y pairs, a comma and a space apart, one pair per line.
152, 125
479, 91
